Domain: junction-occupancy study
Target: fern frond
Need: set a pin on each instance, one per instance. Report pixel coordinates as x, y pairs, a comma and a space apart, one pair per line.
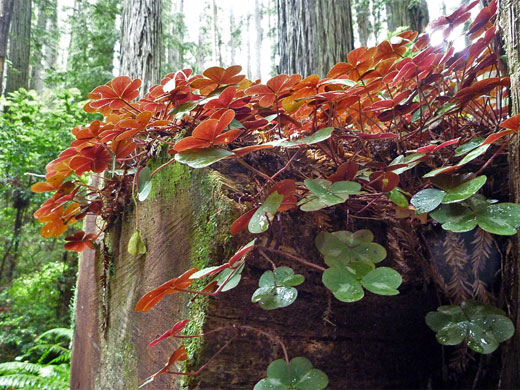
481, 250
56, 334
29, 382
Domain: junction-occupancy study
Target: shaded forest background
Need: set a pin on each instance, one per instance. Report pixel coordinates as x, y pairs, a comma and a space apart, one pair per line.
54, 52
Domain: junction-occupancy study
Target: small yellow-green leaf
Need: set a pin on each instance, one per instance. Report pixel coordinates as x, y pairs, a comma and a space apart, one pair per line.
136, 245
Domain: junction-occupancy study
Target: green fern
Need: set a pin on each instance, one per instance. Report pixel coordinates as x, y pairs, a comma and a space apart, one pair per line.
50, 372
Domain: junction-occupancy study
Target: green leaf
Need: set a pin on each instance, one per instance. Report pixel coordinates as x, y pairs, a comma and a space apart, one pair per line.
202, 158
318, 136
343, 284
455, 217
145, 184
464, 190
483, 327
270, 298
259, 222
136, 245
473, 154
343, 247
382, 281
300, 375
276, 288
501, 218
427, 200
398, 197
233, 281
468, 146
325, 194
182, 109
236, 125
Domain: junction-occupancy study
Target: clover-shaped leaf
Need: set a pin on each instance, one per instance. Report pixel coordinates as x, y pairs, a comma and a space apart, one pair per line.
346, 283
298, 375
483, 327
145, 184
324, 193
259, 222
464, 190
276, 288
343, 247
500, 218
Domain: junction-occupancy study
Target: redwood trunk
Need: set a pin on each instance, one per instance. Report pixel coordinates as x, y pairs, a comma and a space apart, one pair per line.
141, 41
313, 35
19, 46
410, 13
510, 9
6, 11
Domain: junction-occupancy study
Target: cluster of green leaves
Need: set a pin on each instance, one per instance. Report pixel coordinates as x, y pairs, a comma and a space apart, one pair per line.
351, 257
482, 327
45, 366
459, 208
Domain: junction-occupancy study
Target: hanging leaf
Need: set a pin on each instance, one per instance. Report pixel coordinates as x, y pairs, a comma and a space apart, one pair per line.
259, 222
145, 184
136, 245
483, 327
233, 281
276, 288
202, 158
299, 375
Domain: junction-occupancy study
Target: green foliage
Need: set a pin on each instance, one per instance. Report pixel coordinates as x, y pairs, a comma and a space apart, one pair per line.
32, 305
91, 51
259, 222
325, 194
45, 366
495, 218
298, 375
482, 327
277, 288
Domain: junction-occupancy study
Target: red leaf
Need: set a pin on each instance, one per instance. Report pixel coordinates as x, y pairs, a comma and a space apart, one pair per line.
242, 222
80, 241
384, 181
176, 329
512, 123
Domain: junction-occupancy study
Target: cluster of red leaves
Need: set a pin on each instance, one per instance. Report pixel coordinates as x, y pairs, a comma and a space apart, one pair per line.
425, 100
405, 96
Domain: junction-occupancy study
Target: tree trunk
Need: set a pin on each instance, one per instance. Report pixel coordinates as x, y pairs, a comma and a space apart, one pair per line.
141, 41
510, 379
6, 11
363, 25
410, 13
19, 47
258, 44
36, 81
313, 35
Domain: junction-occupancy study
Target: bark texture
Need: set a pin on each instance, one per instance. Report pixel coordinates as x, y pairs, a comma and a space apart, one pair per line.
6, 11
510, 21
363, 25
411, 13
313, 35
141, 41
19, 46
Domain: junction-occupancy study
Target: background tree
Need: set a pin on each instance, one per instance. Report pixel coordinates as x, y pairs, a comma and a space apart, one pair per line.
313, 35
141, 32
363, 24
6, 10
92, 44
410, 13
19, 46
